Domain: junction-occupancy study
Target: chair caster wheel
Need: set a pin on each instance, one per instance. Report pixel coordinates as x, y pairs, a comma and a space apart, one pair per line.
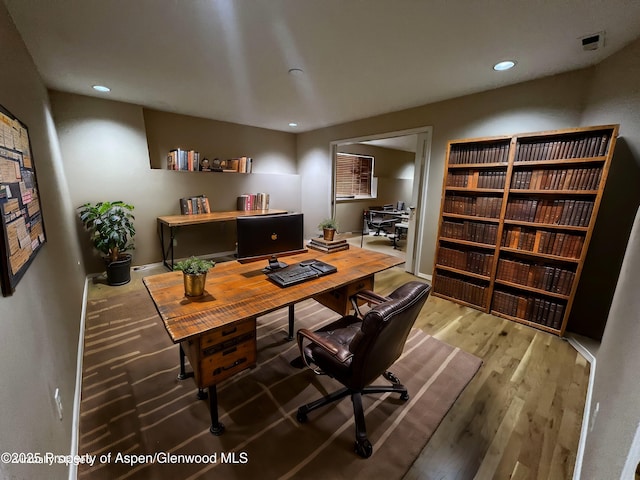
301, 416
364, 448
404, 396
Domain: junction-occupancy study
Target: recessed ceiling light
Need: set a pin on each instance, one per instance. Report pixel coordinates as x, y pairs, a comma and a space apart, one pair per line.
293, 124
504, 65
296, 72
101, 88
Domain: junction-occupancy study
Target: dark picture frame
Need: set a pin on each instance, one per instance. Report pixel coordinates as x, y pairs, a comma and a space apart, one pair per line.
22, 223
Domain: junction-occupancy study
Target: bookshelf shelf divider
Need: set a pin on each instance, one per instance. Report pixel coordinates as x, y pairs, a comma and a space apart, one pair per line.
516, 218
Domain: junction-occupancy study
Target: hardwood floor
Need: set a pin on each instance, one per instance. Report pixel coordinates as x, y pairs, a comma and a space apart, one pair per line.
521, 416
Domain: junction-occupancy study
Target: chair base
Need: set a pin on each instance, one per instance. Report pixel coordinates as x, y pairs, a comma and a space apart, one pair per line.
362, 445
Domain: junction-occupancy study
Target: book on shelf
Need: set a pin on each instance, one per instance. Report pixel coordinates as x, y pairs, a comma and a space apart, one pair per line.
194, 205
183, 160
253, 201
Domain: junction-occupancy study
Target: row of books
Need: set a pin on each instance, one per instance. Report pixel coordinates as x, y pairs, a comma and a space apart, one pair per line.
240, 165
561, 244
542, 277
465, 291
555, 212
194, 205
185, 160
468, 260
470, 231
473, 206
463, 153
328, 246
583, 146
253, 201
482, 179
558, 179
191, 161
530, 308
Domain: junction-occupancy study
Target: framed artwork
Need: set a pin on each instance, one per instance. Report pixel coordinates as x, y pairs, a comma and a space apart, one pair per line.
22, 234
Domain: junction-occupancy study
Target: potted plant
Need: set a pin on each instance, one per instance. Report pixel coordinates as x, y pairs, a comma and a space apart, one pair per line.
194, 271
110, 225
329, 226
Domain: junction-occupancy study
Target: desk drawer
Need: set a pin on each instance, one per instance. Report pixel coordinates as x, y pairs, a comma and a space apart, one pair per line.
226, 363
223, 334
338, 300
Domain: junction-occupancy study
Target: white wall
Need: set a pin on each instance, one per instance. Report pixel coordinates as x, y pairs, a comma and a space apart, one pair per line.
40, 322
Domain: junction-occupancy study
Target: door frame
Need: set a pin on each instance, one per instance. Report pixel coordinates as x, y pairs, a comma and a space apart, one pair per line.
419, 191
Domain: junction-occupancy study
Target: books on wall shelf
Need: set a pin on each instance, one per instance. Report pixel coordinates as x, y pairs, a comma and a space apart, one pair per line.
183, 160
516, 218
328, 246
236, 165
253, 201
191, 161
194, 205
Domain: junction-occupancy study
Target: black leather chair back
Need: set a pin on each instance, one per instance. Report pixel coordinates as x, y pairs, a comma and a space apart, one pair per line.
383, 334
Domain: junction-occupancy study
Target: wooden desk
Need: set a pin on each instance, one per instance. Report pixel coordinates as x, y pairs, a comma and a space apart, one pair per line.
173, 222
217, 331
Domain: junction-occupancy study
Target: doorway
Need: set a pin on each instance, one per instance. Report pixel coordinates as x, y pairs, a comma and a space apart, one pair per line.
400, 174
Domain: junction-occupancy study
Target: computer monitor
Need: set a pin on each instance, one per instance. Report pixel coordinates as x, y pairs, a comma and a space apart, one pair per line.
269, 236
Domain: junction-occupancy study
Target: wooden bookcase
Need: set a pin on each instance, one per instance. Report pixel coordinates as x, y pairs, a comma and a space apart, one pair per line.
516, 218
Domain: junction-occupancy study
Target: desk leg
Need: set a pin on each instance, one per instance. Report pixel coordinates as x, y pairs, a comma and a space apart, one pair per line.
216, 428
169, 248
182, 375
291, 321
202, 394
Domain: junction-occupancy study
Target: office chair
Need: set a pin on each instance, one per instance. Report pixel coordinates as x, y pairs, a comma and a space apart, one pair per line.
378, 222
355, 350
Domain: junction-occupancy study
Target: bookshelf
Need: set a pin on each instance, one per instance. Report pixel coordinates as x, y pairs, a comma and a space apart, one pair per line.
516, 218
191, 161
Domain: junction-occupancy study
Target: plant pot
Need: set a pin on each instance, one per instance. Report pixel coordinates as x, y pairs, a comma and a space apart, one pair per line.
194, 284
119, 272
328, 233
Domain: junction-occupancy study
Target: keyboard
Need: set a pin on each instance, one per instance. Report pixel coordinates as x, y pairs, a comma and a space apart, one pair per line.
300, 272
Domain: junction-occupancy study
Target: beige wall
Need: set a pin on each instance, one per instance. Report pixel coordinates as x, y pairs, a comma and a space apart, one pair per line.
546, 104
40, 322
106, 145
614, 97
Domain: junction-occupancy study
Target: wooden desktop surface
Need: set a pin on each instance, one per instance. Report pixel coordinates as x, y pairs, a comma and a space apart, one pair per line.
235, 291
183, 220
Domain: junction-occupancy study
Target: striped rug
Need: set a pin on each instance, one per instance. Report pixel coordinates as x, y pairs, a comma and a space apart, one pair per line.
140, 422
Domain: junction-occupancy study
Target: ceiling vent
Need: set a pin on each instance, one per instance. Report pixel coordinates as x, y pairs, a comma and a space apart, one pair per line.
592, 42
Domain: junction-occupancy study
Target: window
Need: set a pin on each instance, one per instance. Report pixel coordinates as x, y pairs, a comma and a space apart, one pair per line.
354, 175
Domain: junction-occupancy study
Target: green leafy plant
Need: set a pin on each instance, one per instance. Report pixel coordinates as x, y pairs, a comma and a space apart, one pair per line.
194, 265
110, 225
328, 223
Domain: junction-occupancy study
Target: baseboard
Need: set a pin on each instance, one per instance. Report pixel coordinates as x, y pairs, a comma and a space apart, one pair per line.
586, 416
77, 397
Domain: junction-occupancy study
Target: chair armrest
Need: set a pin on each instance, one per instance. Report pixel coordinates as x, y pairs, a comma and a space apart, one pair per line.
309, 335
371, 297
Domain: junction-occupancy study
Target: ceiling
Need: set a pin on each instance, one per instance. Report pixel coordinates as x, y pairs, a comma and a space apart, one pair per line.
229, 60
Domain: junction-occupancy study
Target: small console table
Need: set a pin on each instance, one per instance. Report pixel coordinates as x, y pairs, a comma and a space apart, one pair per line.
173, 222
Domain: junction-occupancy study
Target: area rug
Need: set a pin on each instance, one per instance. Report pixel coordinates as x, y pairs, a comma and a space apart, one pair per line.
137, 420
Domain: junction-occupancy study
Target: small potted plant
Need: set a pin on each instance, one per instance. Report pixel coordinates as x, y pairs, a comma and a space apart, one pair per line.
329, 226
194, 271
111, 229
